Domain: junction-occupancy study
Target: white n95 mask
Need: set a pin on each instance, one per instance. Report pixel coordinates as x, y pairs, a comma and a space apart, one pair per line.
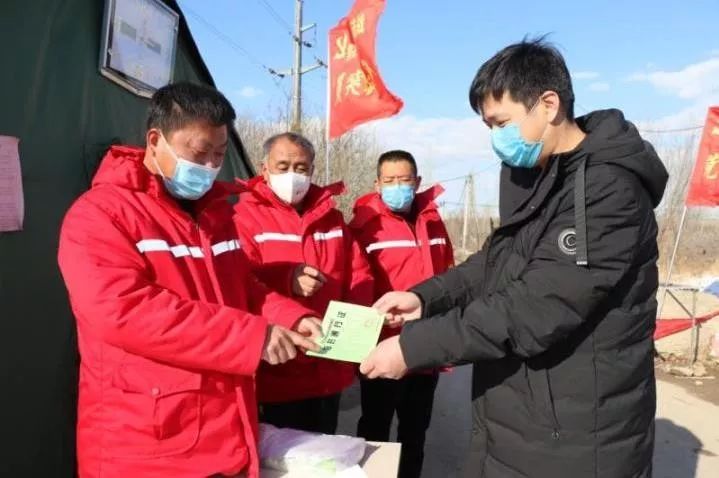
290, 187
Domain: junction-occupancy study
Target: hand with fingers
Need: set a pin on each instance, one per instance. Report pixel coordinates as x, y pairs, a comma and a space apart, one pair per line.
281, 345
310, 327
399, 307
307, 280
385, 361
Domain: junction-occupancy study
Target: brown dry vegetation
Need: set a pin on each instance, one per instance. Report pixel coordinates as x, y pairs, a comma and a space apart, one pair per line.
353, 157
698, 252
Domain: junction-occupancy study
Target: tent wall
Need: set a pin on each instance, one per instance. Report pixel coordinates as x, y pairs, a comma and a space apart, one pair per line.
66, 115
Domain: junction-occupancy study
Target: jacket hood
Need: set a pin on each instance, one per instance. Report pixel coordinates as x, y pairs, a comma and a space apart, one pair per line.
613, 139
123, 166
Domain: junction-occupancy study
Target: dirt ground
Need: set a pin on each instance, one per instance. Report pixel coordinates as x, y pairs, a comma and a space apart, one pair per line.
705, 387
687, 434
674, 350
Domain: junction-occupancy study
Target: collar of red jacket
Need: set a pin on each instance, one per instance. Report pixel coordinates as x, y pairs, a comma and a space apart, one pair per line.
318, 198
371, 205
123, 166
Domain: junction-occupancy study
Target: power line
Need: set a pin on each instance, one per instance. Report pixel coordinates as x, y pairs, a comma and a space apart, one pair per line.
238, 48
453, 179
462, 203
464, 176
314, 40
278, 84
456, 203
675, 130
581, 107
658, 131
281, 21
276, 16
229, 41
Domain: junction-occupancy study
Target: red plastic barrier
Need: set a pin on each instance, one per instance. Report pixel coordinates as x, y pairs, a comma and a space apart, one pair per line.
667, 327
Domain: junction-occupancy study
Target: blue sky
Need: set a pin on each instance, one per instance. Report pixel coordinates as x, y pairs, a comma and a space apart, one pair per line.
656, 60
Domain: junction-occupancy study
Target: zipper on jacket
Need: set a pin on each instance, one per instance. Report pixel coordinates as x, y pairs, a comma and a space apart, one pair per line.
553, 411
543, 399
208, 259
411, 229
198, 236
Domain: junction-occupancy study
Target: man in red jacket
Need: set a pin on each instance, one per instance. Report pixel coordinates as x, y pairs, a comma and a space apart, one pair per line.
406, 243
298, 244
168, 350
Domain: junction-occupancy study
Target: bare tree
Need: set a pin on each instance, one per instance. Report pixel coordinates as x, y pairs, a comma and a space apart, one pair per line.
352, 157
697, 254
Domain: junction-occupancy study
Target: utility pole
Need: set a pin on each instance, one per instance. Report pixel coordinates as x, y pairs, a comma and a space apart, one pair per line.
296, 124
465, 222
297, 70
469, 208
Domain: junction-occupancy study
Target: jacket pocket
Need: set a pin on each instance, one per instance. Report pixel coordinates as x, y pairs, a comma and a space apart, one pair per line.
541, 398
153, 410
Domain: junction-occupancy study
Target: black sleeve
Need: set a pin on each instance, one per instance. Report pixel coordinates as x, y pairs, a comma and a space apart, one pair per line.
550, 298
455, 288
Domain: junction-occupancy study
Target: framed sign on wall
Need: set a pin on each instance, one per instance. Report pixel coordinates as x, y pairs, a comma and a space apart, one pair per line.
139, 40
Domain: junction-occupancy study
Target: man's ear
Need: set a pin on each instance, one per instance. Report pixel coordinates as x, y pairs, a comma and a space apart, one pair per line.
552, 105
417, 183
152, 139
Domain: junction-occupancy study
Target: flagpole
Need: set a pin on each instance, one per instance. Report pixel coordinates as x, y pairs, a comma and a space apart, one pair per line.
328, 144
683, 218
671, 261
327, 115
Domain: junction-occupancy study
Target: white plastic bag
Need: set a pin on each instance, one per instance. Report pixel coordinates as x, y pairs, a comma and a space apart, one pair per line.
295, 451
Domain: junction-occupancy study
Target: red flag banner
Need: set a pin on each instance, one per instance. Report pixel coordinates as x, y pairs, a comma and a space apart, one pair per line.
704, 185
356, 91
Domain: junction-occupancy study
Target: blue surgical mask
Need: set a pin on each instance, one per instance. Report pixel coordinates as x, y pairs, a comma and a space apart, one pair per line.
398, 197
191, 181
513, 149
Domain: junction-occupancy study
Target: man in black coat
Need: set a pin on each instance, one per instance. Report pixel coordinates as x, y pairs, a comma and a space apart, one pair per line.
557, 310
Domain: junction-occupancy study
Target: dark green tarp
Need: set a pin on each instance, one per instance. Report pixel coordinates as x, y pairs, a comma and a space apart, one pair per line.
66, 115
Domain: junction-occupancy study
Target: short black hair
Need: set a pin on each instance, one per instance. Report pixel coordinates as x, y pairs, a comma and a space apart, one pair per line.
394, 156
294, 138
174, 106
525, 70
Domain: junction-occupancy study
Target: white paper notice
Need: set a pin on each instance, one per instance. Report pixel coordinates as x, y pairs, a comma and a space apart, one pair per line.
12, 205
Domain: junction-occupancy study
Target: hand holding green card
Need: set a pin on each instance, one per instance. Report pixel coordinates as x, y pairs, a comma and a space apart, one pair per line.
350, 332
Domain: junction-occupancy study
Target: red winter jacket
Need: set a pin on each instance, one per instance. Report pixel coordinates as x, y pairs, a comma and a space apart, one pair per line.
402, 253
168, 349
277, 239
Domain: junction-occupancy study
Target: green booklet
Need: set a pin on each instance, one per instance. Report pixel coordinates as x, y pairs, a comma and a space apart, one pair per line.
350, 332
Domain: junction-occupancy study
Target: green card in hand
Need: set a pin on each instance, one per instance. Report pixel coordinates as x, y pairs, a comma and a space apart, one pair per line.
350, 332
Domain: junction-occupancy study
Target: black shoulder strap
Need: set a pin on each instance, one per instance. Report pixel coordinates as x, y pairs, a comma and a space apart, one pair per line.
580, 214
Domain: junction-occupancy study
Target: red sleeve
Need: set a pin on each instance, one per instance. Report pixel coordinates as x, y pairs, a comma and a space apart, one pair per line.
114, 298
360, 282
276, 307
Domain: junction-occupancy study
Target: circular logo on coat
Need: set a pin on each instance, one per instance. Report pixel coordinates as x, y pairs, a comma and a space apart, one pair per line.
567, 241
